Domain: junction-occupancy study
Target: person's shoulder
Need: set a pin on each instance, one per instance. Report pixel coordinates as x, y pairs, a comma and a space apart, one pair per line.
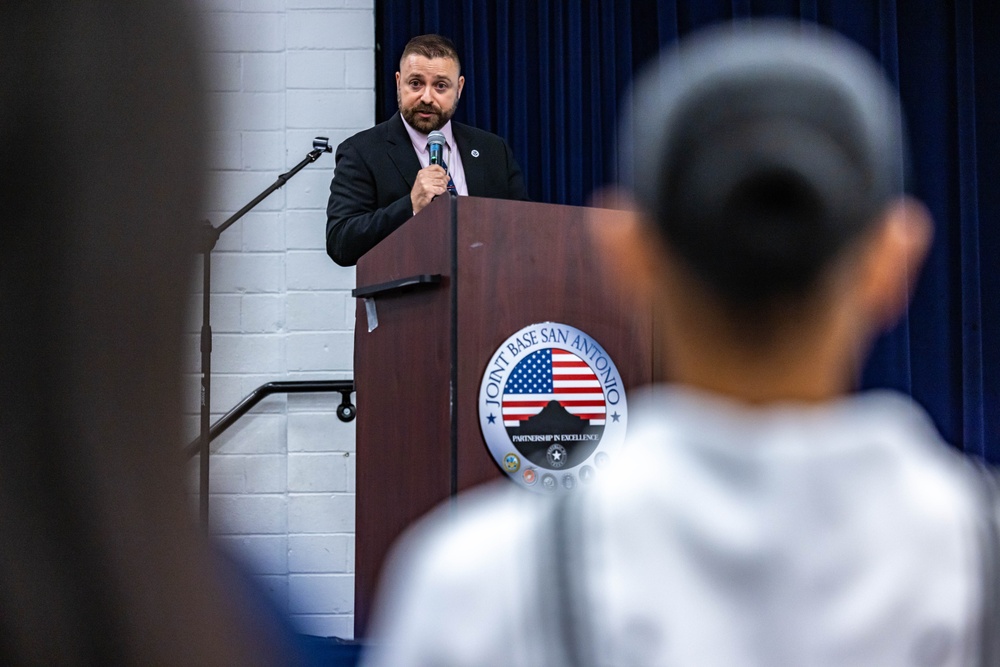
933, 467
908, 465
448, 534
454, 548
905, 425
452, 586
674, 429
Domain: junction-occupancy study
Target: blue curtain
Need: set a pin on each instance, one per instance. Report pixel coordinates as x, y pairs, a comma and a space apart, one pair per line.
548, 74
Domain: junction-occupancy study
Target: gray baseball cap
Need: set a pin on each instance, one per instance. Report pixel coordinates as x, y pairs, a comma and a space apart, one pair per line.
762, 147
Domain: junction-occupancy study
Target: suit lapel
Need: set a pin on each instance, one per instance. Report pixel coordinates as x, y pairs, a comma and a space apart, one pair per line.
400, 150
474, 167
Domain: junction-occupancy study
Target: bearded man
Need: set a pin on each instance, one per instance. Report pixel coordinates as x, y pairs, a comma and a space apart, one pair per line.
384, 176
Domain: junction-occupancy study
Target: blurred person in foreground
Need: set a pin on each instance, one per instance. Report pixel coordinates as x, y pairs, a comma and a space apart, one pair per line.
101, 562
762, 512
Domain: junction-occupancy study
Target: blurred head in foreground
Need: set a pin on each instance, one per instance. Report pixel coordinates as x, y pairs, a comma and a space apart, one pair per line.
100, 113
767, 162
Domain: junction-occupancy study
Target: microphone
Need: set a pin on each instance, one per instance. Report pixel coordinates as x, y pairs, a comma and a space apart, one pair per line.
435, 146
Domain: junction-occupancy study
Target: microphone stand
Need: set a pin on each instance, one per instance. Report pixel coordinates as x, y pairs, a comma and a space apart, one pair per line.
208, 237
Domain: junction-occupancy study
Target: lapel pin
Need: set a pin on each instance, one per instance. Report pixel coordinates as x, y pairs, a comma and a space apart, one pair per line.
475, 153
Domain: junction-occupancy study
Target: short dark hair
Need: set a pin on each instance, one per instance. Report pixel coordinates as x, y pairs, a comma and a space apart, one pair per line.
763, 150
431, 46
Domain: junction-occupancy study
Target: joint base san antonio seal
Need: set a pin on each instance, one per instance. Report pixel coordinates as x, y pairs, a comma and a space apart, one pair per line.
552, 408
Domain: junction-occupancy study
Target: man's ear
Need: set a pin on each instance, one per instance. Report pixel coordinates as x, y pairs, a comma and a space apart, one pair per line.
461, 84
397, 80
892, 260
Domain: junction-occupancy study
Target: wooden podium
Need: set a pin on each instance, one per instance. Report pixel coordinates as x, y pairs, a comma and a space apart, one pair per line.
447, 288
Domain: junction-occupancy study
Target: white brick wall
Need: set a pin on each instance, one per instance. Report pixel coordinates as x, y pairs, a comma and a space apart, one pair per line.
281, 72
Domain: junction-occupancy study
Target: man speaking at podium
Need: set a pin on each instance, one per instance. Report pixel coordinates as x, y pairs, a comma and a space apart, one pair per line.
384, 174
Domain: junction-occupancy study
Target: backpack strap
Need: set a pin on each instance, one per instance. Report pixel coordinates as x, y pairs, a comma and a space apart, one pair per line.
570, 610
990, 630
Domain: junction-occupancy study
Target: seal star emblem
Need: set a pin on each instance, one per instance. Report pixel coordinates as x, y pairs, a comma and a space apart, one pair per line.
556, 455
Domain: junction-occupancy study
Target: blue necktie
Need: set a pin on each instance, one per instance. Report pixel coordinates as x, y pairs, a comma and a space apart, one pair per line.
451, 184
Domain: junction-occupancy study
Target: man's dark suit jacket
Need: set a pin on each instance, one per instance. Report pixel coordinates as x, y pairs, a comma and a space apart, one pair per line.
370, 192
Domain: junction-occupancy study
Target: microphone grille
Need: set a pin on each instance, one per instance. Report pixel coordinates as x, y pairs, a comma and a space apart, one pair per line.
436, 138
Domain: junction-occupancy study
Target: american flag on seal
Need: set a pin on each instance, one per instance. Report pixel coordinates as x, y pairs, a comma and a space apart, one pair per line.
550, 374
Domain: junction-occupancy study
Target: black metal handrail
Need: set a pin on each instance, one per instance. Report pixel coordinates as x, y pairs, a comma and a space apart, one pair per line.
346, 411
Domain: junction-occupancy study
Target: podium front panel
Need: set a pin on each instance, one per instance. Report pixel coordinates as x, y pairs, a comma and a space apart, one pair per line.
519, 264
502, 265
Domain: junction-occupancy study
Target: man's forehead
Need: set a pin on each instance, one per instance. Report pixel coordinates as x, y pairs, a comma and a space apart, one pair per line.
415, 64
